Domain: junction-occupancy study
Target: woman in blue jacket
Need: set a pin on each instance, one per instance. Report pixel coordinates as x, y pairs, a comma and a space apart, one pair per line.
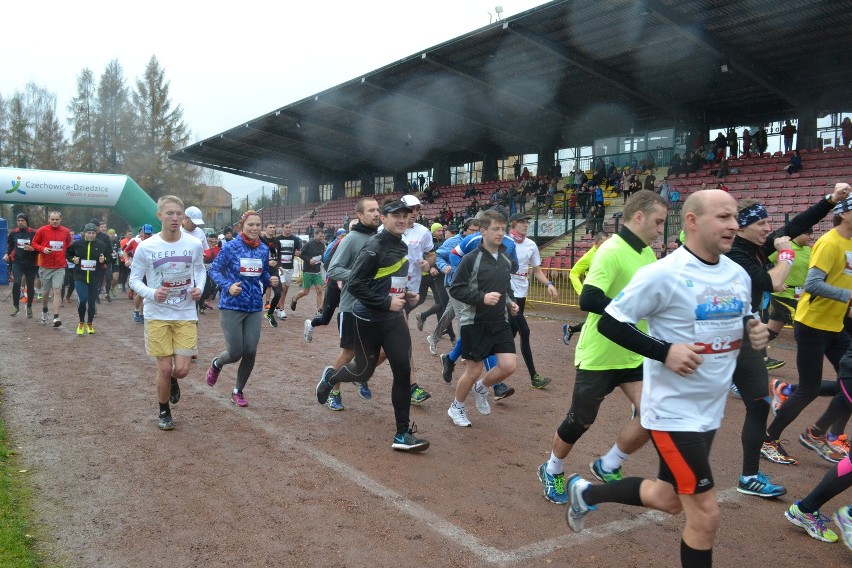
241, 271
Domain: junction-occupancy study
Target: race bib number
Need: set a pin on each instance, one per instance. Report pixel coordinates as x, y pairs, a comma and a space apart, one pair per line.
56, 245
87, 265
251, 267
176, 283
719, 337
23, 242
398, 286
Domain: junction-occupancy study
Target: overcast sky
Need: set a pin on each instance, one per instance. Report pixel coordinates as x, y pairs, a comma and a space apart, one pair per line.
228, 62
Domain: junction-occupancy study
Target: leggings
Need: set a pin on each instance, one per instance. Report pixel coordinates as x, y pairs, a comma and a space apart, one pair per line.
393, 337
242, 334
835, 481
519, 324
20, 271
441, 297
86, 294
329, 304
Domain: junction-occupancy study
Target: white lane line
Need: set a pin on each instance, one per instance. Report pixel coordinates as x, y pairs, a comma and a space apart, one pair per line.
438, 524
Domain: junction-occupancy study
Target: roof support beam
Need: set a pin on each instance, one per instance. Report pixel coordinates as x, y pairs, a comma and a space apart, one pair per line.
299, 140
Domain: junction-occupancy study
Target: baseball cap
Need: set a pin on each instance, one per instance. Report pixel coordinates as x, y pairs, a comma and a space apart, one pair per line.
410, 200
519, 217
395, 206
147, 229
194, 214
340, 231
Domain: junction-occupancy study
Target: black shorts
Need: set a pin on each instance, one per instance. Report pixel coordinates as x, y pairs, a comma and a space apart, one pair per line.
685, 460
596, 385
479, 340
346, 329
782, 309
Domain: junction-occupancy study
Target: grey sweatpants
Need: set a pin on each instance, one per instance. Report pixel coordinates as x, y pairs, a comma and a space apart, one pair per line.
242, 334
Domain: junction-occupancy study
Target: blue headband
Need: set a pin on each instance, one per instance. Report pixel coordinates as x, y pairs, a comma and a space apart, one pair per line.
753, 214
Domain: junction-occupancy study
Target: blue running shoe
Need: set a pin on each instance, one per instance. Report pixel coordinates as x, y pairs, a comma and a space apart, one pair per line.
554, 485
364, 391
603, 475
137, 317
408, 442
334, 401
502, 390
566, 333
735, 391
760, 486
577, 507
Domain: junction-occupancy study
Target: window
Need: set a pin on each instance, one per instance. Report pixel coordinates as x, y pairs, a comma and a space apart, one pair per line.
383, 184
325, 192
413, 179
352, 188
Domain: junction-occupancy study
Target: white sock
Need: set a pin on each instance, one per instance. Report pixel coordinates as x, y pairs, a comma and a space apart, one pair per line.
613, 459
555, 465
479, 387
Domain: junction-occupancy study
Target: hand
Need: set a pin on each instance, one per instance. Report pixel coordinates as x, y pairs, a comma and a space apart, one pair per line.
551, 289
274, 281
5, 258
273, 263
433, 271
27, 247
412, 298
841, 192
47, 250
235, 289
160, 294
491, 298
758, 334
101, 259
195, 293
448, 269
783, 243
514, 308
683, 358
423, 264
396, 304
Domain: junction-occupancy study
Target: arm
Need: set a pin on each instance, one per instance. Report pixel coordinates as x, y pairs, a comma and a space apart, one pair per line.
339, 267
630, 337
359, 286
593, 299
137, 273
460, 289
816, 285
579, 269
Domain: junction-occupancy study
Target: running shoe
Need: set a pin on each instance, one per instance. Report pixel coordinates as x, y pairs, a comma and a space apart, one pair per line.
418, 318
760, 486
271, 319
29, 312
554, 485
408, 442
567, 333
843, 518
293, 305
43, 317
502, 390
539, 382
459, 415
90, 329
308, 331
482, 401
238, 399
774, 452
137, 317
433, 344
776, 388
281, 314
266, 306
820, 445
839, 443
813, 523
364, 391
108, 298
39, 296
165, 421
15, 312
323, 386
57, 322
773, 364
213, 373
174, 392
577, 507
334, 401
734, 390
603, 475
81, 328
447, 368
418, 394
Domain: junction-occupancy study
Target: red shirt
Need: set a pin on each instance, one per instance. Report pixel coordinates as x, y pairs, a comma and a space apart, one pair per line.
57, 240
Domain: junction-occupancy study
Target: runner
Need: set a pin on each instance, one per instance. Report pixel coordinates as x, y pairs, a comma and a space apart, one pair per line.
577, 275
145, 232
172, 264
22, 255
331, 299
805, 513
241, 271
89, 256
601, 364
290, 247
696, 302
378, 282
51, 241
268, 238
311, 271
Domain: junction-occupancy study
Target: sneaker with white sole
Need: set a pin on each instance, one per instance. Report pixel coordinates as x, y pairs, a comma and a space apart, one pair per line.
408, 442
843, 518
419, 320
308, 331
433, 344
324, 387
760, 486
577, 507
419, 394
364, 391
554, 485
814, 523
165, 421
775, 452
603, 475
459, 415
502, 390
820, 445
335, 402
482, 401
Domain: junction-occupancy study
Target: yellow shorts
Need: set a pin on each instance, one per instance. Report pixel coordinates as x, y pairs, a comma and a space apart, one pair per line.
164, 338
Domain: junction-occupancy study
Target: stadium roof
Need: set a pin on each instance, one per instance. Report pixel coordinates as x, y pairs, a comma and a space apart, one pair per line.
555, 76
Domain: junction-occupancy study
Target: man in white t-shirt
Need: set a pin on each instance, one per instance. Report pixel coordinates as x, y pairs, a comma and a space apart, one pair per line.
192, 223
697, 303
420, 249
172, 264
529, 264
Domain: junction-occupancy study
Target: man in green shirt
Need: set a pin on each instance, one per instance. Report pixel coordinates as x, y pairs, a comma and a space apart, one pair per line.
601, 364
576, 276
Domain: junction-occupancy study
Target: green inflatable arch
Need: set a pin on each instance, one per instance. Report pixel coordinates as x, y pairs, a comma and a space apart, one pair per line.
45, 187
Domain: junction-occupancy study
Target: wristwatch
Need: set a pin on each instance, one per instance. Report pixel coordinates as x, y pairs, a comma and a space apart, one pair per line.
830, 198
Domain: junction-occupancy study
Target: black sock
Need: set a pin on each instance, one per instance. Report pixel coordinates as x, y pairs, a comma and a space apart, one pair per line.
44, 310
215, 363
55, 316
164, 407
625, 491
695, 558
174, 381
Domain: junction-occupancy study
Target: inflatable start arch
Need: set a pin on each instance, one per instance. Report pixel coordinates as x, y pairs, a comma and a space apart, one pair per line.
44, 187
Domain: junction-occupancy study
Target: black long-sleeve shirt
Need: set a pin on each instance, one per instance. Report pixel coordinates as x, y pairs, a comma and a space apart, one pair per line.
379, 272
478, 274
14, 246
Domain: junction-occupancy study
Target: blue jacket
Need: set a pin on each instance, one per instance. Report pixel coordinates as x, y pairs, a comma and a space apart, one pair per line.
442, 257
225, 271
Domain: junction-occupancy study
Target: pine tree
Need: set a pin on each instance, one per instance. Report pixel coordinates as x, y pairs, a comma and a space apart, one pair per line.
114, 122
50, 146
20, 142
82, 110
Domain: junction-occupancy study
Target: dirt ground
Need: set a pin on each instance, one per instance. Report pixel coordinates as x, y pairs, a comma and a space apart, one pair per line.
287, 482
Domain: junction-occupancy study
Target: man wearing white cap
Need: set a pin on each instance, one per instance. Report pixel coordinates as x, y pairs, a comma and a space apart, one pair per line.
192, 223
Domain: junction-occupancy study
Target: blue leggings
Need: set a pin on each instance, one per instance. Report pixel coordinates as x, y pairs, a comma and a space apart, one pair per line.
86, 294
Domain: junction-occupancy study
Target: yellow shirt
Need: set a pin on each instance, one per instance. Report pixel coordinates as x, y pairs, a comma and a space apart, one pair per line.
832, 254
581, 268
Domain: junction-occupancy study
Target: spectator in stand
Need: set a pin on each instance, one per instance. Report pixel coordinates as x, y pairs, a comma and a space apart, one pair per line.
760, 140
664, 188
723, 169
795, 163
517, 169
733, 143
650, 179
572, 205
719, 146
648, 164
633, 185
746, 143
422, 183
583, 196
846, 131
788, 132
675, 164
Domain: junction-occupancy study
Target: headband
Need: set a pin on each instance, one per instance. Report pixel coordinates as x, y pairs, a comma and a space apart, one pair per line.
753, 214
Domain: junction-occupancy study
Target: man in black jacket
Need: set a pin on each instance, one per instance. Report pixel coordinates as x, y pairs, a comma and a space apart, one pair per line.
754, 242
20, 252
